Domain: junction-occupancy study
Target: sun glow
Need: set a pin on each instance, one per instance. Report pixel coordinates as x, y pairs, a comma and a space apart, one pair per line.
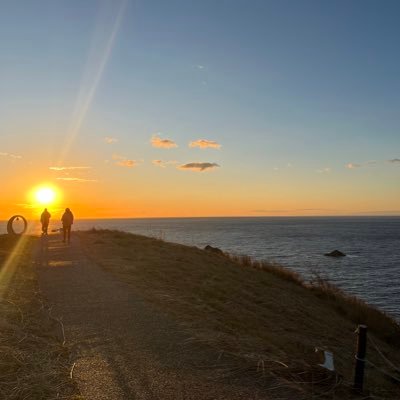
45, 195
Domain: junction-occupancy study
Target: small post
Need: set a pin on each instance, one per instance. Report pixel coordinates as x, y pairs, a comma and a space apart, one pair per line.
360, 358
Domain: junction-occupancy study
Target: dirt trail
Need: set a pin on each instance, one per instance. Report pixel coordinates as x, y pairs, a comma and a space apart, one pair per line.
123, 348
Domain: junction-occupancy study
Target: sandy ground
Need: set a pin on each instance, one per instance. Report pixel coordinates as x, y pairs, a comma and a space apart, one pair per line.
122, 347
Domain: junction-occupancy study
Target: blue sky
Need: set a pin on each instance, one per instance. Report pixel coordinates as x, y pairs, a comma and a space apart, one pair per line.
294, 91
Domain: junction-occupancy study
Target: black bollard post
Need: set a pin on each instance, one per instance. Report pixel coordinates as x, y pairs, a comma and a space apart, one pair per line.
360, 358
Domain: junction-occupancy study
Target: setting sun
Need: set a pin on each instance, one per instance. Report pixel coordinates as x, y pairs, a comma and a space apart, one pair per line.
45, 195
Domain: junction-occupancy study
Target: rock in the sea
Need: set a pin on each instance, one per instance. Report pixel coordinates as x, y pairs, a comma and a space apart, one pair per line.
213, 249
335, 253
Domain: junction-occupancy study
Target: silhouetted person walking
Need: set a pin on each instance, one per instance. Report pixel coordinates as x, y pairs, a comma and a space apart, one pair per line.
67, 221
45, 219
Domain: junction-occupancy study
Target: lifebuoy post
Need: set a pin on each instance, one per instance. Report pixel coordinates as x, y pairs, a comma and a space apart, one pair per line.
10, 228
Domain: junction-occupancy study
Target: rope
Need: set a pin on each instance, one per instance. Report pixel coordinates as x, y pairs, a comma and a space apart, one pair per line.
388, 362
395, 378
382, 371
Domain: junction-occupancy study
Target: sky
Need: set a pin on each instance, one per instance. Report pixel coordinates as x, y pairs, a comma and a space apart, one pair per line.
157, 108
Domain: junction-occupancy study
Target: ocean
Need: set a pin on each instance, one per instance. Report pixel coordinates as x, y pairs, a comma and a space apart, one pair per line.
371, 269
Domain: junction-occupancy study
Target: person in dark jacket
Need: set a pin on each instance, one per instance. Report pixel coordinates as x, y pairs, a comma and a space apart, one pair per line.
67, 221
45, 220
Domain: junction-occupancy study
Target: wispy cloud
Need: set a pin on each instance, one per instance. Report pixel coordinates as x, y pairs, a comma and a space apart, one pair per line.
74, 179
379, 212
69, 168
163, 164
326, 170
158, 163
110, 140
395, 161
122, 161
199, 66
26, 205
361, 165
353, 165
198, 166
266, 211
10, 155
156, 141
282, 167
79, 173
127, 163
204, 144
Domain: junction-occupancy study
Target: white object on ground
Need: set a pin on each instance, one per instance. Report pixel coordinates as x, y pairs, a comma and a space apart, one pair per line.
328, 360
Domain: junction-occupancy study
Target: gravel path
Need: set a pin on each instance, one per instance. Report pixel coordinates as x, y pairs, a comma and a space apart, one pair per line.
123, 348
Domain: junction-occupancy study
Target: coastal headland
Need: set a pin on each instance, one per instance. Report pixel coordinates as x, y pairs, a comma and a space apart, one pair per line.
120, 316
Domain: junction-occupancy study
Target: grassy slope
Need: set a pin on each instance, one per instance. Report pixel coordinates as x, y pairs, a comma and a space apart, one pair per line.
33, 363
262, 317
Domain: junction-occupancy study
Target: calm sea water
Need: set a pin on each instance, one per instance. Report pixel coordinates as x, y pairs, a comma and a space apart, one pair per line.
371, 269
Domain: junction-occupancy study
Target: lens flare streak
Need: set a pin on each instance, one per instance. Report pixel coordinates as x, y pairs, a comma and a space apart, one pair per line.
87, 92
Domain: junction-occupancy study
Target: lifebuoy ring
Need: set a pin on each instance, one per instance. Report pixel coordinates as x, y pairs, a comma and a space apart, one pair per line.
10, 228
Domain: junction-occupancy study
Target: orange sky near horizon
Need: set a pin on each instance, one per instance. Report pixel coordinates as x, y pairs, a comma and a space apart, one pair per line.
138, 192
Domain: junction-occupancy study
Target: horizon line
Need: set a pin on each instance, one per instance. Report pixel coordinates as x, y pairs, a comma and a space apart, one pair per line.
366, 215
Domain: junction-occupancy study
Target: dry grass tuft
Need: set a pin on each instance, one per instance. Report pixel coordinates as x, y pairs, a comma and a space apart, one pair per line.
272, 268
262, 320
350, 306
33, 363
357, 310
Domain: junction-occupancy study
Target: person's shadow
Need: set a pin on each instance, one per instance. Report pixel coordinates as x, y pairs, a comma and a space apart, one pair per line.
44, 251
